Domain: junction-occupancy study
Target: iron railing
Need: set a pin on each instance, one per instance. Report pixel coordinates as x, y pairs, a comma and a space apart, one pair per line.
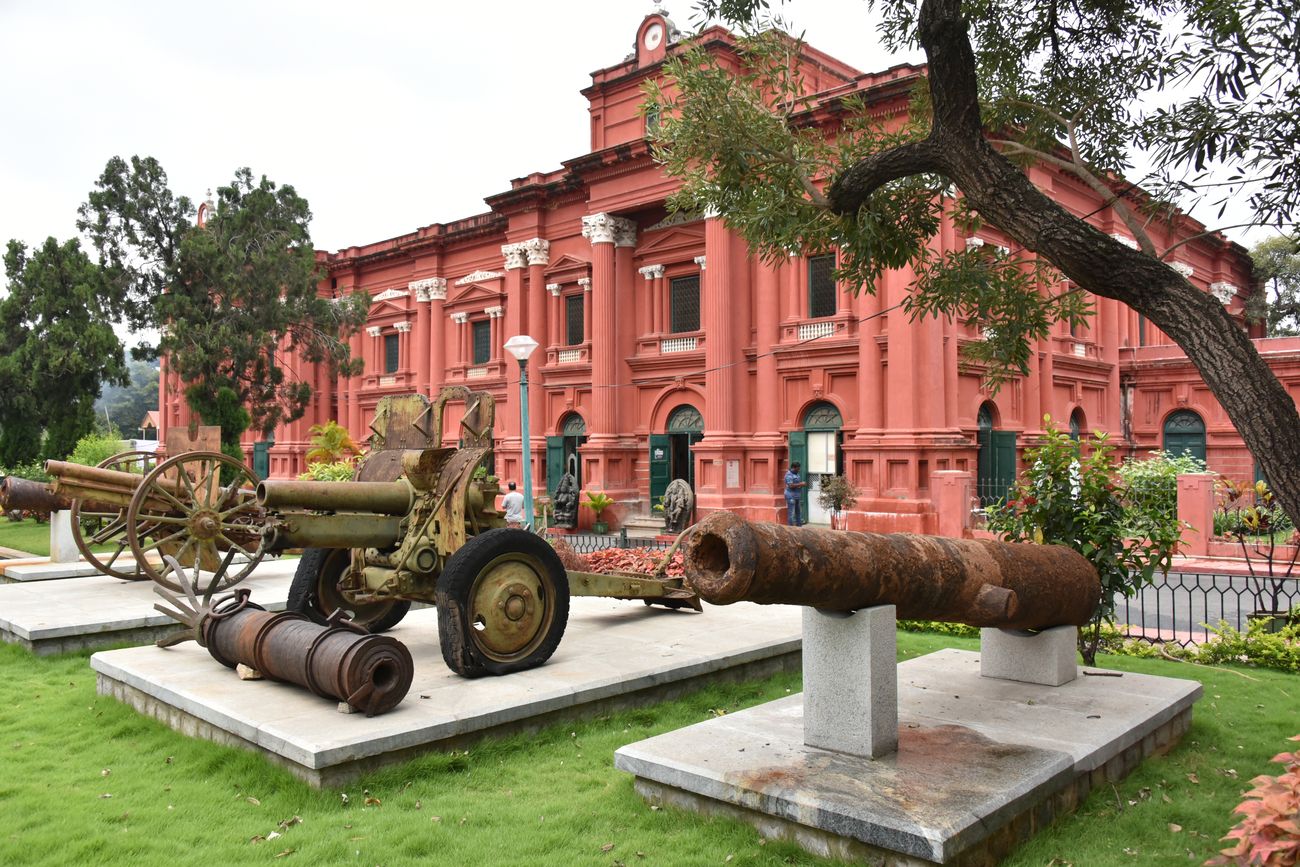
585, 543
1179, 608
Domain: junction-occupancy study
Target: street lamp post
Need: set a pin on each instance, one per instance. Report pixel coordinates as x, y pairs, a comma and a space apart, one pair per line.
521, 346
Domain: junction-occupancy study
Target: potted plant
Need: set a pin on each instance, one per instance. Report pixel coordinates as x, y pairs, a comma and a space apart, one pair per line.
836, 495
598, 501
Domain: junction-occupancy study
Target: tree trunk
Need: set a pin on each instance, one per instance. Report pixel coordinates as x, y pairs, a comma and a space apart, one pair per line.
1255, 401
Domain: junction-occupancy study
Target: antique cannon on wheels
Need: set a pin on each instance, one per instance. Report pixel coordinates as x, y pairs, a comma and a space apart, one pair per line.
198, 507
420, 524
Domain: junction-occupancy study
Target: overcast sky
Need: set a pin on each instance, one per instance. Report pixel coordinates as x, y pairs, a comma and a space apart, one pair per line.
386, 116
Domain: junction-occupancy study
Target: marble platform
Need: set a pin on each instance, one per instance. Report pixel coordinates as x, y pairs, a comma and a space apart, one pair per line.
614, 654
97, 611
981, 763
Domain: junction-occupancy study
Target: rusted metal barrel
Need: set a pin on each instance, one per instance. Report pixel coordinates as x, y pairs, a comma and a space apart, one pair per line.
16, 493
382, 498
977, 582
308, 530
372, 673
75, 481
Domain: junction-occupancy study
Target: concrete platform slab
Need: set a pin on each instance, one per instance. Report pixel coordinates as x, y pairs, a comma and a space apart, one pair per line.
614, 654
981, 763
45, 571
95, 611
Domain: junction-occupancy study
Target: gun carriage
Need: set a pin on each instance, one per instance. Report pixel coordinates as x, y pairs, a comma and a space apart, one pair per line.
420, 525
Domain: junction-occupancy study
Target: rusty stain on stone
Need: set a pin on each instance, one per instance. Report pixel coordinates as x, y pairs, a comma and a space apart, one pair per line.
977, 582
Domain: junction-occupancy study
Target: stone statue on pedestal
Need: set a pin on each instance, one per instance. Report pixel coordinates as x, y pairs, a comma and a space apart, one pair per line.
679, 506
566, 502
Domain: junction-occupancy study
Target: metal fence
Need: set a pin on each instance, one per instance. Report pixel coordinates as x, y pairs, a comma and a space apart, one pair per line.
1181, 606
585, 543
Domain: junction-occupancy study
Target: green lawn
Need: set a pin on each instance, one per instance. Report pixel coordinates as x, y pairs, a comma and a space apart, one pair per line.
87, 780
26, 536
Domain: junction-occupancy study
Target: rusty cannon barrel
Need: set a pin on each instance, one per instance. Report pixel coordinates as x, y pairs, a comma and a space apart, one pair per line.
24, 494
378, 498
333, 514
372, 673
981, 583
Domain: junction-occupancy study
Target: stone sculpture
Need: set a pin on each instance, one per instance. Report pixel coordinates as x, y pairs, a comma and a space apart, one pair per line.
679, 506
566, 502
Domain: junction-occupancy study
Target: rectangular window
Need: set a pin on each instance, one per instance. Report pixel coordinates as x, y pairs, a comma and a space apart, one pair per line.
390, 353
684, 298
821, 286
573, 313
482, 341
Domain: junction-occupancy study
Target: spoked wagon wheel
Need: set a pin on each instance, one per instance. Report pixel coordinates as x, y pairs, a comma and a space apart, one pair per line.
503, 603
199, 508
315, 592
100, 524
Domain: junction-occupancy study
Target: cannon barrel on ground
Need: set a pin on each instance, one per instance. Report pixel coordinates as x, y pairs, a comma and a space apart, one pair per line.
977, 582
24, 494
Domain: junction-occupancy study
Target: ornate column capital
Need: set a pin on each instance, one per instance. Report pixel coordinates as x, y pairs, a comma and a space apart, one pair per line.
403, 326
514, 254
494, 312
651, 272
429, 289
1125, 240
701, 260
585, 283
553, 288
608, 229
460, 318
1224, 291
538, 251
373, 330
1183, 268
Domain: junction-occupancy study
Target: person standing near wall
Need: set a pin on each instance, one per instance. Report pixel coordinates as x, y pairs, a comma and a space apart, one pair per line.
794, 485
513, 505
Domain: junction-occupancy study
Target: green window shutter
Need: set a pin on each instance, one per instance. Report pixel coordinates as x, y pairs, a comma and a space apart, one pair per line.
660, 465
261, 459
1004, 462
573, 319
684, 298
821, 286
482, 341
391, 350
798, 442
554, 463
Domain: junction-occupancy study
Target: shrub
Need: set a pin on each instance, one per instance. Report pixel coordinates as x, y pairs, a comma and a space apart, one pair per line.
1256, 646
95, 448
32, 470
1151, 484
1269, 835
837, 493
338, 471
1064, 498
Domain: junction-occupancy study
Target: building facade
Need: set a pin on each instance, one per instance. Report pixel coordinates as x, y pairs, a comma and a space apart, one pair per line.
668, 351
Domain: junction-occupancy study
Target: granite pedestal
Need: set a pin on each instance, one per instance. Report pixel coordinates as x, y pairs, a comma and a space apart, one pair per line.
614, 654
96, 611
981, 762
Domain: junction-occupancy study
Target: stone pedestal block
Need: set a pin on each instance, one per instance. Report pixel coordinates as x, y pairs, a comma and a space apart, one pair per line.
1046, 658
850, 681
63, 549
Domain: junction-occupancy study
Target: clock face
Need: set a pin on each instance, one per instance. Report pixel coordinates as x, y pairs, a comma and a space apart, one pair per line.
654, 34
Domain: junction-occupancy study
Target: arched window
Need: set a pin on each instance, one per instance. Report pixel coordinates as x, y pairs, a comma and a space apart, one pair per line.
1077, 424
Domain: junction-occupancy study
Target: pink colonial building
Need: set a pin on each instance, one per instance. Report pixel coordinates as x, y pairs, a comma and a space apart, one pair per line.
667, 351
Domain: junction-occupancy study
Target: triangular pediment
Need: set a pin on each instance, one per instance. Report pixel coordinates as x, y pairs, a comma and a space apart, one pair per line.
675, 240
384, 308
567, 269
477, 291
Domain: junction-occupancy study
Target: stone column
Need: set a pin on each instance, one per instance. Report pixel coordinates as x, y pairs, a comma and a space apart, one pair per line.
601, 230
555, 329
495, 317
585, 283
718, 315
404, 343
456, 346
649, 310
354, 386
767, 408
871, 381
538, 252
1109, 313
420, 292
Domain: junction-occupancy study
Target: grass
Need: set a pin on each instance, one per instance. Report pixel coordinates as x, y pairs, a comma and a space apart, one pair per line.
25, 535
88, 780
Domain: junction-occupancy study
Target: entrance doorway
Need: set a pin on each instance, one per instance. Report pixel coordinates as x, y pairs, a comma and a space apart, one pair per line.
997, 458
1185, 434
817, 449
563, 452
671, 453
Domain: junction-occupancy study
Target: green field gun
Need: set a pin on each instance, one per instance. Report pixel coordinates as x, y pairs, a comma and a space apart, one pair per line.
420, 524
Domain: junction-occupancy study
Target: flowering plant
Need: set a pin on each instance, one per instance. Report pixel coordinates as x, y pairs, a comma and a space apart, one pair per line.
1269, 835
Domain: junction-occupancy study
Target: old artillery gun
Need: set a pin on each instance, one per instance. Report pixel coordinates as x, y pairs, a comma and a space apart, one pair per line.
198, 507
420, 524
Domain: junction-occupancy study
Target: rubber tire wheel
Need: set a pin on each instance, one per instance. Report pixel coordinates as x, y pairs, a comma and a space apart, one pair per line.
327, 564
456, 633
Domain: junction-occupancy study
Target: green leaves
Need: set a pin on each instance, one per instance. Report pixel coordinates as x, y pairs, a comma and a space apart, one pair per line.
233, 299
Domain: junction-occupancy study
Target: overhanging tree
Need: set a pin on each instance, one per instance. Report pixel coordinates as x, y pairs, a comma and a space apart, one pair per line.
58, 347
230, 298
1009, 84
1277, 268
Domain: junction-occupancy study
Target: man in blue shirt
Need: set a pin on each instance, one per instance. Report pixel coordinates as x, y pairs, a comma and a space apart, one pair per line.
794, 495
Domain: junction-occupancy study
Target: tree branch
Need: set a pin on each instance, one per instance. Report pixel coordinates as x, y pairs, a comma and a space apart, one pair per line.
854, 186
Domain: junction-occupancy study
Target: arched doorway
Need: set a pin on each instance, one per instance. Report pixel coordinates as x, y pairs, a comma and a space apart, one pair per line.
671, 456
562, 452
817, 448
1077, 424
996, 468
1185, 434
